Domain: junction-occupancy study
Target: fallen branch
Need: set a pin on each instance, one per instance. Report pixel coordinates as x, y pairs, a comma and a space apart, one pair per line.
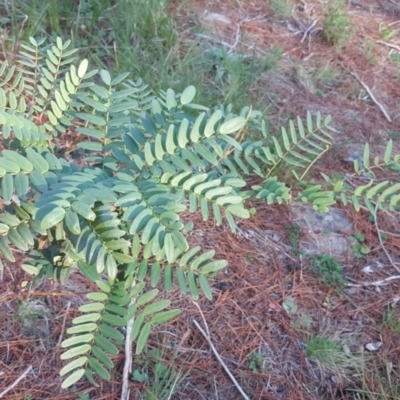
381, 241
382, 282
125, 392
208, 339
393, 46
364, 85
18, 380
63, 325
307, 31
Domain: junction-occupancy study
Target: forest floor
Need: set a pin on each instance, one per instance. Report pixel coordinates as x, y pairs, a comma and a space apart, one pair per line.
281, 318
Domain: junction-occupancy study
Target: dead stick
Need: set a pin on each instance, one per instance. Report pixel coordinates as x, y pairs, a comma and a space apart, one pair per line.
63, 324
128, 358
393, 46
375, 283
364, 85
381, 241
307, 31
18, 380
244, 395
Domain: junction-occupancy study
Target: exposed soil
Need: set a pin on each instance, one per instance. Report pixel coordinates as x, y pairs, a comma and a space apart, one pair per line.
249, 316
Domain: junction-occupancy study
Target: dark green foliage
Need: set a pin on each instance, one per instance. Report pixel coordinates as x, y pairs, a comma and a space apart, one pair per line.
329, 270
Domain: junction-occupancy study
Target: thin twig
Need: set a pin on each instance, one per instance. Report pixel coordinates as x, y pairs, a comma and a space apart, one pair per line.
63, 324
128, 359
381, 241
18, 380
244, 395
208, 339
382, 282
388, 279
393, 46
237, 38
203, 318
364, 85
307, 31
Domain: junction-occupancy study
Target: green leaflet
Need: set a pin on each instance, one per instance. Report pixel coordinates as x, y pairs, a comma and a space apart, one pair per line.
51, 219
99, 369
3, 229
23, 163
188, 95
201, 259
7, 188
110, 332
17, 240
84, 210
146, 297
73, 378
79, 362
106, 344
165, 316
210, 127
21, 184
38, 161
143, 336
191, 278
233, 125
102, 357
156, 307
137, 326
9, 166
89, 327
77, 340
205, 287
155, 274
5, 249
76, 351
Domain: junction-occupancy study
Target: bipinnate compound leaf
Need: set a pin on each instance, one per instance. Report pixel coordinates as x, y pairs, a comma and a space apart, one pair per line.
111, 202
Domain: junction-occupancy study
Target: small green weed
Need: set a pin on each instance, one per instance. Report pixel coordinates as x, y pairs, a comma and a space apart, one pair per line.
234, 74
387, 33
256, 362
395, 57
337, 27
298, 320
331, 357
394, 134
329, 270
391, 320
161, 379
378, 380
282, 9
359, 248
293, 234
318, 347
326, 76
